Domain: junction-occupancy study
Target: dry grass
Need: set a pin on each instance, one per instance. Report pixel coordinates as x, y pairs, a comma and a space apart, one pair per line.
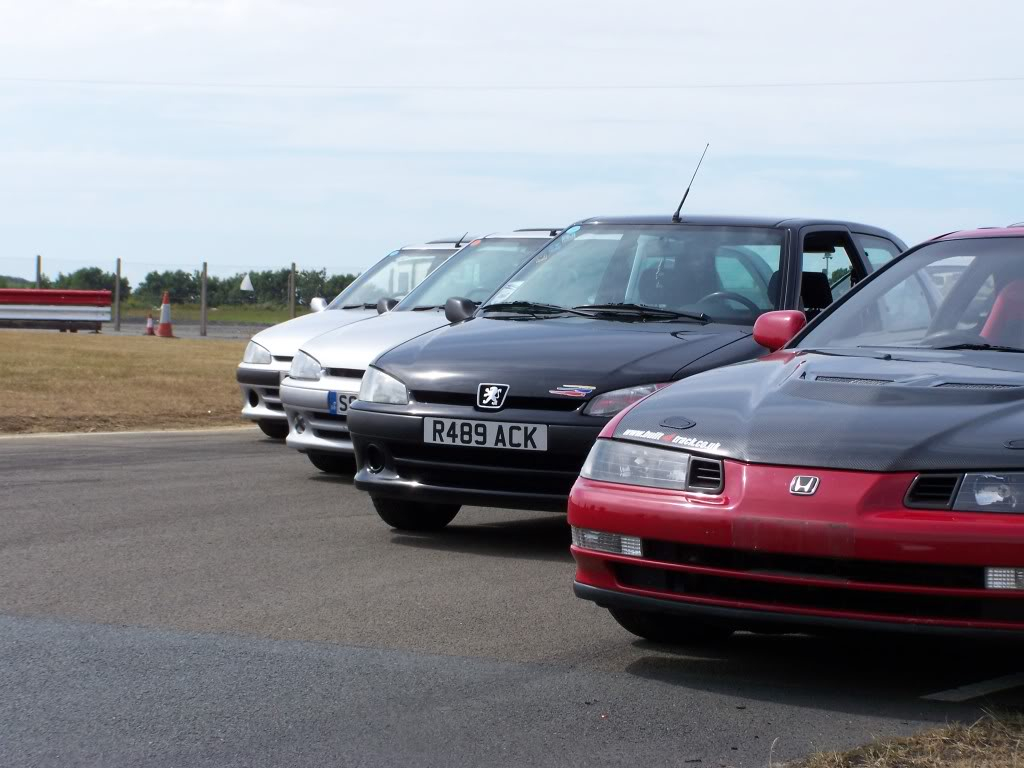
62, 382
995, 741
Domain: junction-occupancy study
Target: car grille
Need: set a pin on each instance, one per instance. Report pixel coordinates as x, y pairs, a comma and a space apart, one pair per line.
932, 491
346, 373
705, 475
773, 595
512, 401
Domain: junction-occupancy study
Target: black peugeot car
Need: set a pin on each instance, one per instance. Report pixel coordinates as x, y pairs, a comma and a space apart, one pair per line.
501, 408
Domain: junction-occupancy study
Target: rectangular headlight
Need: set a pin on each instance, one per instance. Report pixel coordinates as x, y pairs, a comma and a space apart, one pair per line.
991, 492
614, 461
1004, 578
613, 543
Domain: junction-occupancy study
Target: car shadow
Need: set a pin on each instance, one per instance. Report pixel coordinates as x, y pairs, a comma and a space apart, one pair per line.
871, 674
538, 538
330, 477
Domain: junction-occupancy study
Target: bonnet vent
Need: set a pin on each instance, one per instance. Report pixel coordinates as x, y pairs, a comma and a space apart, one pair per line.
975, 385
705, 474
847, 380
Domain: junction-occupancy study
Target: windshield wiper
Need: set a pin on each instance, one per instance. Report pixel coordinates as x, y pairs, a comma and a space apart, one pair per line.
367, 305
528, 307
644, 310
425, 307
980, 346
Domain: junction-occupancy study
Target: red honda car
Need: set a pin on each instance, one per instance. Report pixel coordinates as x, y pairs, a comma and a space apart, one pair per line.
867, 474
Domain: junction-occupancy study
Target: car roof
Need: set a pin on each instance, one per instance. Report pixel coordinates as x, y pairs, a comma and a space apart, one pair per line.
775, 222
434, 245
525, 234
1014, 230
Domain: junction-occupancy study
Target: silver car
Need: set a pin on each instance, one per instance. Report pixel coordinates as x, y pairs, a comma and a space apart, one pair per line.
269, 354
326, 372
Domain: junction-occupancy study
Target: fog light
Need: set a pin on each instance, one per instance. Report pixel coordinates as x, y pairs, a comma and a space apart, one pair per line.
300, 425
613, 543
1004, 578
254, 399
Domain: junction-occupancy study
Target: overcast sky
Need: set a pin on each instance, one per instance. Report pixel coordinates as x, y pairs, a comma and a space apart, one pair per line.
253, 133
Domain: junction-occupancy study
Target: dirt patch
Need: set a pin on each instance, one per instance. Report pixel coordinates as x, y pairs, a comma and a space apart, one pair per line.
995, 741
60, 382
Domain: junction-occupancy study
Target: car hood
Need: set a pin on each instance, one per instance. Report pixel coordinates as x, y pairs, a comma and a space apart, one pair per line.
917, 411
284, 339
536, 356
357, 346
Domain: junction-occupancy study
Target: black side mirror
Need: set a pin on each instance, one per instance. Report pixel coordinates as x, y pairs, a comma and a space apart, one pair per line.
386, 305
457, 309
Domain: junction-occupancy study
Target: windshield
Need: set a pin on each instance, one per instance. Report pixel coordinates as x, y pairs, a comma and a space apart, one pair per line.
955, 293
721, 273
475, 272
392, 277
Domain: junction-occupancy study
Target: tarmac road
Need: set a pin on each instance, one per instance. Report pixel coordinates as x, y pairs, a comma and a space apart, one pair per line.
208, 598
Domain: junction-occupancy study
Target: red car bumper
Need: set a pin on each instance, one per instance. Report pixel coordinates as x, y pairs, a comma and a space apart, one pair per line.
851, 554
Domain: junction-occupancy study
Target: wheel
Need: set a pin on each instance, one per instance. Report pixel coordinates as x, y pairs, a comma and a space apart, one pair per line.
415, 516
672, 630
332, 463
278, 430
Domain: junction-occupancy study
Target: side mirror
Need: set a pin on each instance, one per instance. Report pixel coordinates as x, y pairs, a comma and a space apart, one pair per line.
457, 309
318, 304
773, 330
386, 305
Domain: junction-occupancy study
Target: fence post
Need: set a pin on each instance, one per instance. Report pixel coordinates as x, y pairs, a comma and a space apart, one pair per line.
291, 292
39, 271
202, 303
117, 298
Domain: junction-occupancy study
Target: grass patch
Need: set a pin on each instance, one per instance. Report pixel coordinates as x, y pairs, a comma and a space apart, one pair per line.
994, 741
234, 314
64, 382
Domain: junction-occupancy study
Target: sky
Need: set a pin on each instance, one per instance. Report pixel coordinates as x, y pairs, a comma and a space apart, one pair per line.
255, 133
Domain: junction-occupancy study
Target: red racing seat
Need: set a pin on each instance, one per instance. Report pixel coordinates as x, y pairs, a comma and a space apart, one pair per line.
1005, 323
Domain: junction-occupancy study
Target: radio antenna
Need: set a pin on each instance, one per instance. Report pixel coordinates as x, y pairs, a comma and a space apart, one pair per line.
458, 243
675, 216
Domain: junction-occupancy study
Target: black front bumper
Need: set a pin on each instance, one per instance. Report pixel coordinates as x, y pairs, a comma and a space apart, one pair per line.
258, 378
775, 621
418, 471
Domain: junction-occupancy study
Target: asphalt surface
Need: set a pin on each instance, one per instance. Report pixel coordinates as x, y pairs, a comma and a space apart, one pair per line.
211, 599
189, 329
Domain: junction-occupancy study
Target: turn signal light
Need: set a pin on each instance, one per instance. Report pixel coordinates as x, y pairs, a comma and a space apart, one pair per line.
613, 543
1004, 578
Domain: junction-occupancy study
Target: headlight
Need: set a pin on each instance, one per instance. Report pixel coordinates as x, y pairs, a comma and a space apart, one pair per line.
617, 462
254, 353
379, 387
305, 367
991, 492
611, 403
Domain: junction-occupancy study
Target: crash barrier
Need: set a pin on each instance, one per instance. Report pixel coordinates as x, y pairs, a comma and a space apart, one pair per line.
54, 308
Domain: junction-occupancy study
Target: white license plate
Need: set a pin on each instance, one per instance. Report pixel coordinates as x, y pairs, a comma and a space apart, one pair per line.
338, 402
486, 434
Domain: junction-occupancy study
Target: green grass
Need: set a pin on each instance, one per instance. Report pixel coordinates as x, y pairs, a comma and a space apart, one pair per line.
261, 314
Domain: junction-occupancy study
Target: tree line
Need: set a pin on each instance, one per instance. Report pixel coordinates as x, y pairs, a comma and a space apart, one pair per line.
269, 286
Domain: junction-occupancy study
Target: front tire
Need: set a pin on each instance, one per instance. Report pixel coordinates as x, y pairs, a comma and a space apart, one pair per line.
332, 463
415, 516
276, 430
668, 629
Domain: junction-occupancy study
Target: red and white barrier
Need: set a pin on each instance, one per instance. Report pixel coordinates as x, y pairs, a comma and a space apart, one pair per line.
54, 308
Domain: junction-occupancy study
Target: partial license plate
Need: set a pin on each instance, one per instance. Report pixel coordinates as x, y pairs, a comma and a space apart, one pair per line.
338, 402
486, 434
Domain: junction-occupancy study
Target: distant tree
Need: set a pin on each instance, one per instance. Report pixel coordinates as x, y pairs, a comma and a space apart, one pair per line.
335, 284
182, 286
6, 281
91, 279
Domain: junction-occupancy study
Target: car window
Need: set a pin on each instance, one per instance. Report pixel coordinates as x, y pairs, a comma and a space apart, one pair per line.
949, 292
393, 276
879, 250
674, 267
832, 260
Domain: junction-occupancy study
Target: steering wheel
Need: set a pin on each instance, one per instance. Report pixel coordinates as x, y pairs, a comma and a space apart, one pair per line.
724, 296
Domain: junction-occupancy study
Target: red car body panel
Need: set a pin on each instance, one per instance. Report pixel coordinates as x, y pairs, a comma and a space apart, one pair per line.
855, 518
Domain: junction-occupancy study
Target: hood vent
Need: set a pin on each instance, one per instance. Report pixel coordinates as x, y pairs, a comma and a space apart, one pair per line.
932, 491
969, 385
705, 475
846, 380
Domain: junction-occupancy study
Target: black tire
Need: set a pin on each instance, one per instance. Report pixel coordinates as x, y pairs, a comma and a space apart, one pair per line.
670, 630
415, 516
332, 463
277, 430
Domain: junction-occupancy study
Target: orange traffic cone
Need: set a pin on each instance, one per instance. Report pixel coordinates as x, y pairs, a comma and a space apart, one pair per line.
164, 328
149, 325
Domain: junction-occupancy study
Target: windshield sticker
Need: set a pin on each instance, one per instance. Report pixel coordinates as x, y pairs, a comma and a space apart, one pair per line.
573, 390
507, 290
671, 437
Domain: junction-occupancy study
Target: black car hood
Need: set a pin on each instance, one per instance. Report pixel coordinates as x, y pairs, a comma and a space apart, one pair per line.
536, 355
919, 411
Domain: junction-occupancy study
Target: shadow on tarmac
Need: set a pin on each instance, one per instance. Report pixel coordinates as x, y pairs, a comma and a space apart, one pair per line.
538, 538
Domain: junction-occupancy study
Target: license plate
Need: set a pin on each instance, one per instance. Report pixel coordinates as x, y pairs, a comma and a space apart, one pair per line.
486, 434
338, 402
